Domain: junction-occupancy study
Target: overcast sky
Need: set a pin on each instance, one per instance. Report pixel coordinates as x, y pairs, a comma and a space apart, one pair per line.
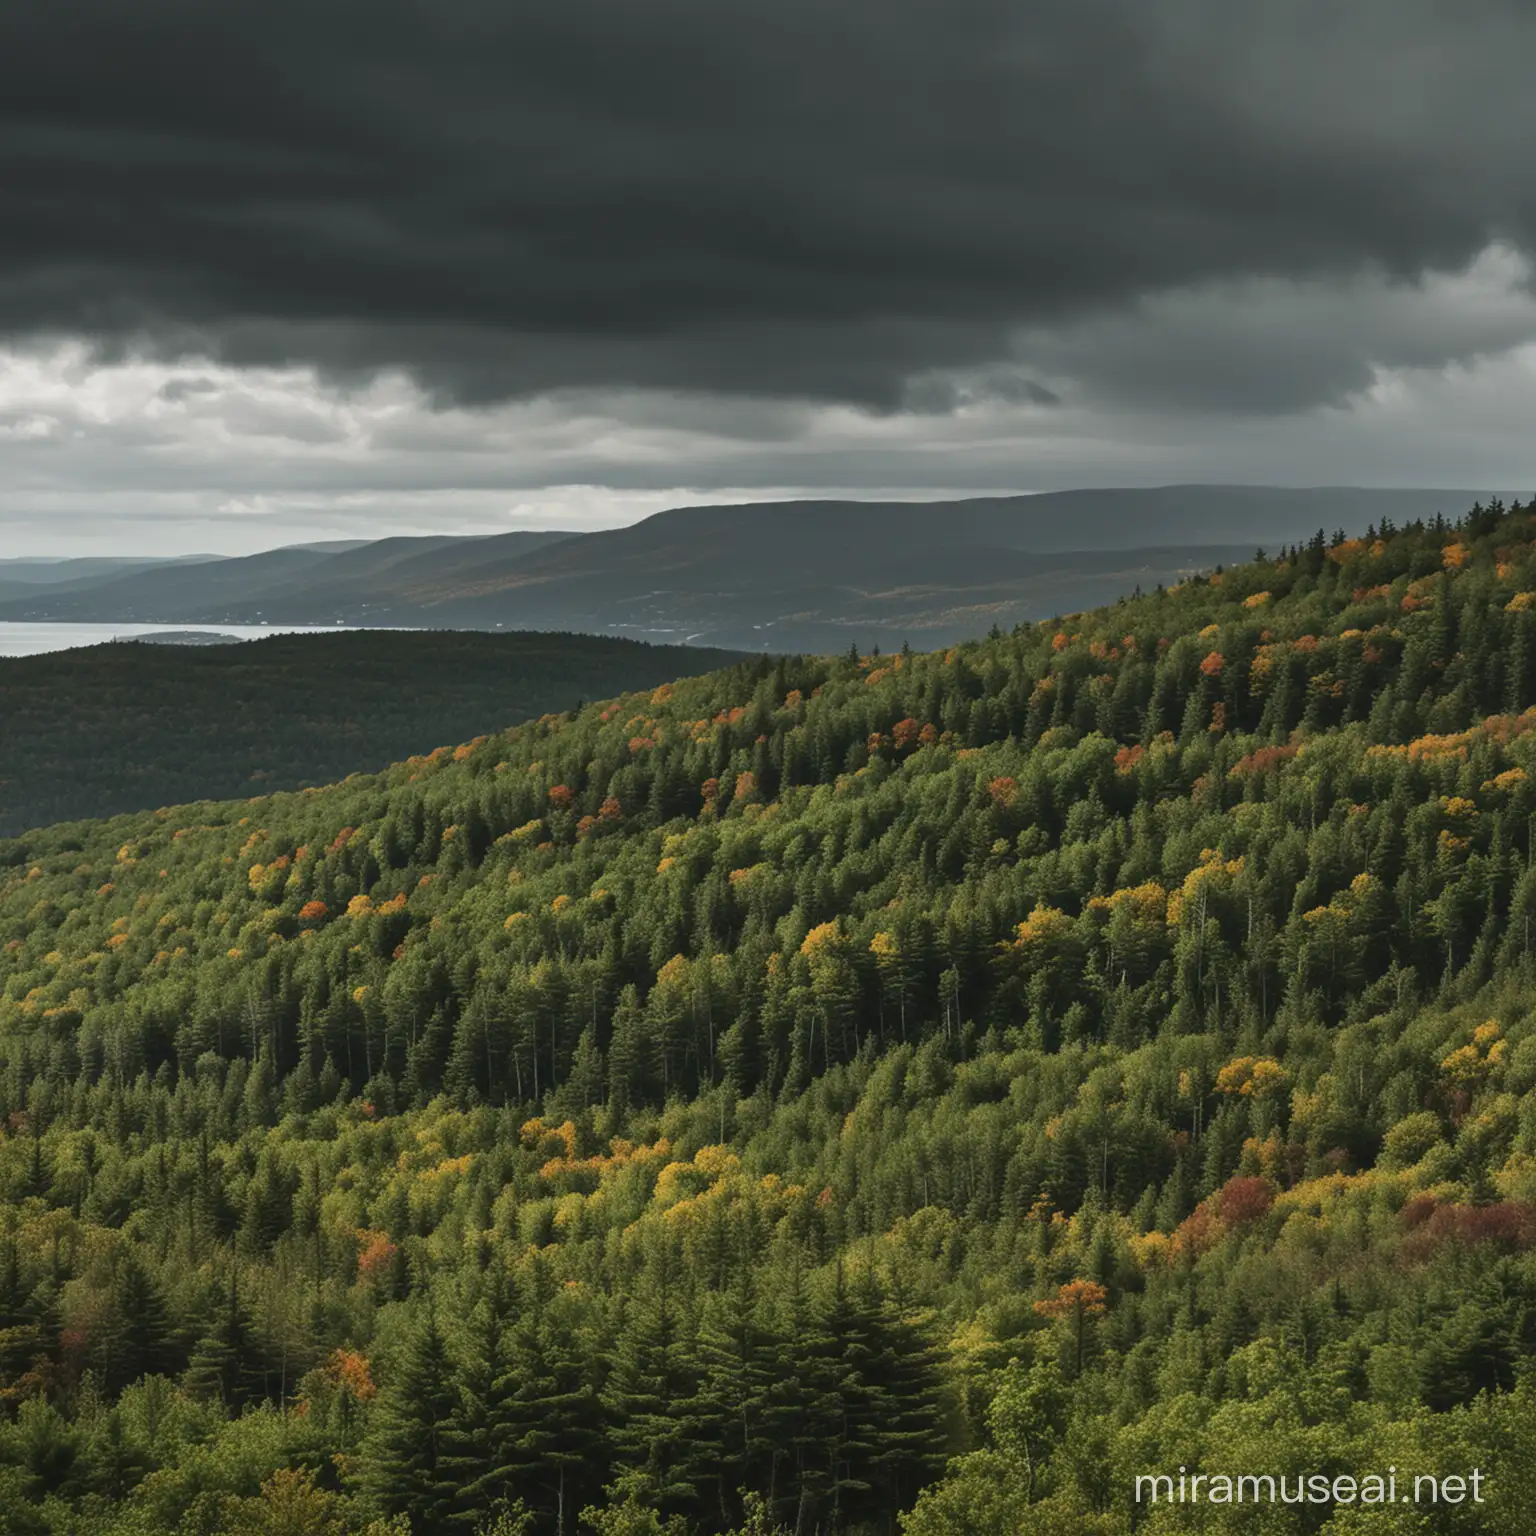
283, 269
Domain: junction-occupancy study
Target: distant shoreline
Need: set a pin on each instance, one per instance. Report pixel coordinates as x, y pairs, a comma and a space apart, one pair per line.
40, 636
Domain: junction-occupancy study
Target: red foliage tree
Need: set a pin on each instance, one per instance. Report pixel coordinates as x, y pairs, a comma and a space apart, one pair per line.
1509, 1225
1242, 1200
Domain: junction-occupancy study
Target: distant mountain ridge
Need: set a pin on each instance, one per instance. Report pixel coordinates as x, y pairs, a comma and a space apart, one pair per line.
782, 576
312, 578
33, 577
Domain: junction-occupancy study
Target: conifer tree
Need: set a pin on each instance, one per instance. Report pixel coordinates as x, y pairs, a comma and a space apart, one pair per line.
405, 1470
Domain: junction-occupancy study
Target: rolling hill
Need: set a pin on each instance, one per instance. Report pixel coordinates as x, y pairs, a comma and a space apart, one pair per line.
792, 576
104, 729
33, 579
319, 578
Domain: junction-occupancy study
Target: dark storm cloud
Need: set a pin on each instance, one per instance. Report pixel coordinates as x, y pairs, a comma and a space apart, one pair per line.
1263, 347
826, 199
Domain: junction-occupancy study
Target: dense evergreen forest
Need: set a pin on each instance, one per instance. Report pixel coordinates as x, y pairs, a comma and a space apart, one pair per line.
884, 1093
130, 726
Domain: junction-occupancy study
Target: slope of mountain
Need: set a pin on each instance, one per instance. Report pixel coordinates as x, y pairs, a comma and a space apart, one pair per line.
130, 726
166, 592
823, 601
809, 576
924, 1092
817, 575
39, 570
375, 578
328, 580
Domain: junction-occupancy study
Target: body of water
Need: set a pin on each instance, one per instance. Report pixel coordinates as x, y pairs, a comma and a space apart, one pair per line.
34, 639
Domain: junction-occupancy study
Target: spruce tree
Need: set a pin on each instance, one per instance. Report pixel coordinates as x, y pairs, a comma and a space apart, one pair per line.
224, 1366
655, 1374
406, 1465
142, 1345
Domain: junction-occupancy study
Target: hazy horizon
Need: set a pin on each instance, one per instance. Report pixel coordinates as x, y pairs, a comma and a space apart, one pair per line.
44, 553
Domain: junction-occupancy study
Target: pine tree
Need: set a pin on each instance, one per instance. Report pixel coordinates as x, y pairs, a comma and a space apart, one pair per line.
655, 1373
551, 1420
224, 1367
471, 1445
22, 1339
142, 1343
404, 1470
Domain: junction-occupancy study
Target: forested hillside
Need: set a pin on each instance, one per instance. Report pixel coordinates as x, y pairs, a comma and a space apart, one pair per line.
132, 726
912, 1092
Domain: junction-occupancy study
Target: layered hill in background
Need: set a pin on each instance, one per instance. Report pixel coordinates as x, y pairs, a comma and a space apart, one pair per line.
44, 581
317, 577
846, 1094
132, 726
793, 576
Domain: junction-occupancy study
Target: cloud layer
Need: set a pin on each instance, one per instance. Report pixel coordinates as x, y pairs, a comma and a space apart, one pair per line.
442, 257
817, 198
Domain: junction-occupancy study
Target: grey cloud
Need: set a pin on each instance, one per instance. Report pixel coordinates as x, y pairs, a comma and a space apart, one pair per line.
187, 387
1273, 346
819, 199
937, 394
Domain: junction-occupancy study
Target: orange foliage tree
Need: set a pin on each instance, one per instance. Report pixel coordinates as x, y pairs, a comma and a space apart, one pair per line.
376, 1257
1077, 1300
